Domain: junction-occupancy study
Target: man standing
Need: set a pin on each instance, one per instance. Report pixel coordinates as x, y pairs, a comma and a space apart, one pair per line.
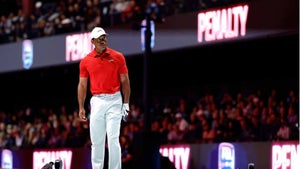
107, 72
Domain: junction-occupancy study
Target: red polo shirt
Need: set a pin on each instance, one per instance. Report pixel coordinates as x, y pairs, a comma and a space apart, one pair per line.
103, 70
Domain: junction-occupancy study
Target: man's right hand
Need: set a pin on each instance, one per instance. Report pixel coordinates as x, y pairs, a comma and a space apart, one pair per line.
82, 115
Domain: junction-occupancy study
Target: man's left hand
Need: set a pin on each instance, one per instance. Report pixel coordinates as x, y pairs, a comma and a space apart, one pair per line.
125, 111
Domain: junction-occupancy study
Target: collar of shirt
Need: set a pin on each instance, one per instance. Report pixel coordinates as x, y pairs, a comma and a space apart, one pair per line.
105, 54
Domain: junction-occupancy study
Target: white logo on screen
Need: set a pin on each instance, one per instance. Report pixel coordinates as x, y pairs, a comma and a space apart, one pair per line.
226, 156
7, 159
27, 54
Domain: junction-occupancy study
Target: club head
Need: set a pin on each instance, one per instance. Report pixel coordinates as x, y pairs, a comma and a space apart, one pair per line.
251, 166
58, 164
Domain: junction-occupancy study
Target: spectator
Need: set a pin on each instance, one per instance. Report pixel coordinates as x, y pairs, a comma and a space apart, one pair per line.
283, 132
175, 135
208, 134
127, 152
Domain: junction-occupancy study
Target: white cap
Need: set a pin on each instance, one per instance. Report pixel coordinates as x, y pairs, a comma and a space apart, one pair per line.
97, 32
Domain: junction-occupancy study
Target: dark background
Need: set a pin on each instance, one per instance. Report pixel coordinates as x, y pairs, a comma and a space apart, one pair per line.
265, 63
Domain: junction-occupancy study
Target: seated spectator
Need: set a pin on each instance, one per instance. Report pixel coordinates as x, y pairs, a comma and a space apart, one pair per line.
48, 29
284, 131
181, 122
175, 135
246, 133
123, 9
292, 118
208, 133
127, 152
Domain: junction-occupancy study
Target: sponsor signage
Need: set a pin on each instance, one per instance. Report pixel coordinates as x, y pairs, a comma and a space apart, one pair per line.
238, 22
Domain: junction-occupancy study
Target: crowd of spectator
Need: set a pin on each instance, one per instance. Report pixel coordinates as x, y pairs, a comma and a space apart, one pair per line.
240, 118
47, 17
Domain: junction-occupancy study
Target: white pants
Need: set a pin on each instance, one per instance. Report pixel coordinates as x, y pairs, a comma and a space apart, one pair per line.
105, 119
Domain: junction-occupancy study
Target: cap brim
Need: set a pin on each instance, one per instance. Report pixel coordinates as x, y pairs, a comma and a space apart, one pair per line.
99, 36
